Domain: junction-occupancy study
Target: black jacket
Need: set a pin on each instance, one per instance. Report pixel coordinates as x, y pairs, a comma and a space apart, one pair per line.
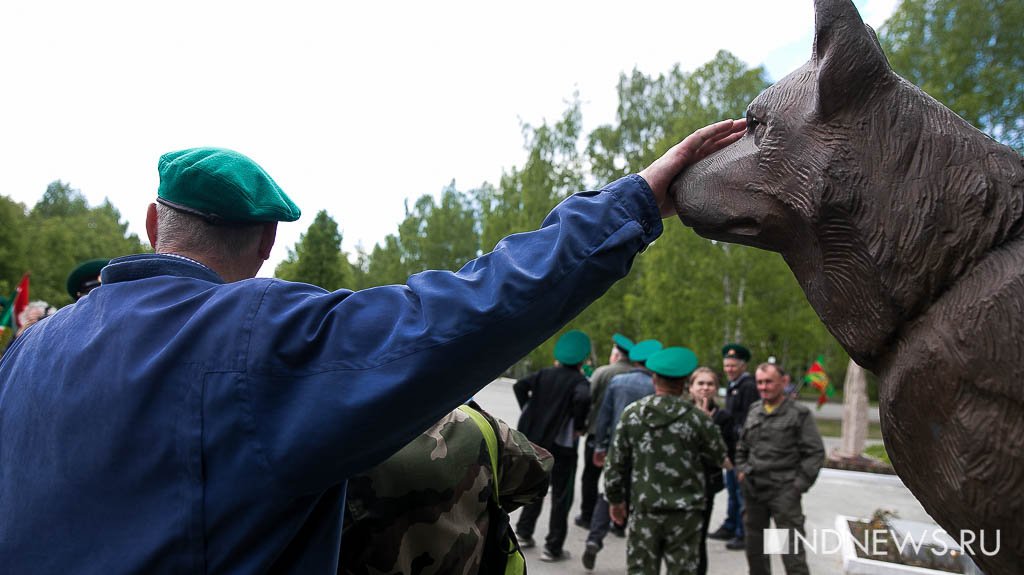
548, 399
740, 395
713, 473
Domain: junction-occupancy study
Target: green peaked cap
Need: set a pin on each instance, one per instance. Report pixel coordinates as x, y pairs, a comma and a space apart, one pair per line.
85, 272
622, 341
643, 349
737, 351
572, 348
672, 362
222, 186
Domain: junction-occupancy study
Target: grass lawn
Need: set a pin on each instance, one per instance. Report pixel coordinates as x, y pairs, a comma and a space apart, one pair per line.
878, 452
834, 427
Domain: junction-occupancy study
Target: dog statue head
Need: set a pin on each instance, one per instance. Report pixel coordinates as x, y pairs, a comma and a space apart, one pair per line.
876, 195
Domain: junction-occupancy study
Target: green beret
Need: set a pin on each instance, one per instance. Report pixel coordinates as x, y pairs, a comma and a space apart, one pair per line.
672, 362
642, 350
572, 348
736, 351
82, 275
623, 342
222, 186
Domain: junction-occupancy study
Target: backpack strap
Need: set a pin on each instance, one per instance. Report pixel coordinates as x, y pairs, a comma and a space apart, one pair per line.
490, 439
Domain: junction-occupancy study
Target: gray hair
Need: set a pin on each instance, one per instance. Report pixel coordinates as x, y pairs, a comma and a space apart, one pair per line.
769, 365
178, 231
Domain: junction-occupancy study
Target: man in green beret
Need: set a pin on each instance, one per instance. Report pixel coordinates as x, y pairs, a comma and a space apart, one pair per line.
660, 450
623, 389
555, 402
618, 362
190, 417
85, 278
740, 394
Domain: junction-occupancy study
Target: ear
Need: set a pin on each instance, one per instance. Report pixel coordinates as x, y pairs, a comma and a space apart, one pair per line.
151, 227
849, 60
267, 239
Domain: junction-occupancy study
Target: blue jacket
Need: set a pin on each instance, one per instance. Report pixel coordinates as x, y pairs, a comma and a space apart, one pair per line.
623, 390
171, 423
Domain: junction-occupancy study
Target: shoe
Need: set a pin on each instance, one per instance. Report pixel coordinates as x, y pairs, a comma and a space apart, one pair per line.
590, 555
735, 544
722, 534
618, 530
550, 557
525, 541
582, 521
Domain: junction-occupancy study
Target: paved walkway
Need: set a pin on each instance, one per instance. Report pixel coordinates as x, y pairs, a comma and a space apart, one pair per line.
835, 492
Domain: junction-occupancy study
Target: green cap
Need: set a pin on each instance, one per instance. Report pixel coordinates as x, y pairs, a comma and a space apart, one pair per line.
736, 351
672, 362
222, 186
642, 350
84, 277
572, 348
623, 342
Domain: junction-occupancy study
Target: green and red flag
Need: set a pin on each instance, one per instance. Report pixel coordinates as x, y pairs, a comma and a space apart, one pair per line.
817, 377
17, 303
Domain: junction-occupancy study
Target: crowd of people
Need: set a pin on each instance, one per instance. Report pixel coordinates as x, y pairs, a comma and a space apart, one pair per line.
666, 447
184, 415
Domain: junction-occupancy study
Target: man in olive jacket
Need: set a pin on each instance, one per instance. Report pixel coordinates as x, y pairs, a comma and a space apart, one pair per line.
778, 458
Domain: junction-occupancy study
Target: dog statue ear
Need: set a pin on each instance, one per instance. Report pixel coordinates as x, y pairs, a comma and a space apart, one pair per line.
849, 60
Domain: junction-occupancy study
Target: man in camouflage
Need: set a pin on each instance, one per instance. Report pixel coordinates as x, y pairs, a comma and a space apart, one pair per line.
424, 510
660, 448
778, 458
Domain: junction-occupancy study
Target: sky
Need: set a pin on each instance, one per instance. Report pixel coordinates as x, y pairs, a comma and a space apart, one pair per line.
352, 107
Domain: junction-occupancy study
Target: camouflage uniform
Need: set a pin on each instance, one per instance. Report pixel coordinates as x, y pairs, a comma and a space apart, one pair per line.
779, 454
424, 510
660, 448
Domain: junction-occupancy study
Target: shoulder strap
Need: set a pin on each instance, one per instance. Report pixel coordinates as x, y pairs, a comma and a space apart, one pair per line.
490, 439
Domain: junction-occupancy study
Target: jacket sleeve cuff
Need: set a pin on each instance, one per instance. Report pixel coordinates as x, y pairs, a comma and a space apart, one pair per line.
636, 196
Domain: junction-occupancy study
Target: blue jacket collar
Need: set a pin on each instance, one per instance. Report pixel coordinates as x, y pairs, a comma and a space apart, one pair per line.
141, 266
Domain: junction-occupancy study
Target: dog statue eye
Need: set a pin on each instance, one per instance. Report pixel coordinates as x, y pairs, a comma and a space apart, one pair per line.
756, 127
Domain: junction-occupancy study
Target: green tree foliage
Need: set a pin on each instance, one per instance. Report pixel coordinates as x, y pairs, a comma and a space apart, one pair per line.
656, 112
384, 264
553, 171
967, 55
13, 244
62, 230
317, 258
439, 235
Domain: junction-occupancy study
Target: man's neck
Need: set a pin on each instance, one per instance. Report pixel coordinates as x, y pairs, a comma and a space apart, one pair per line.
778, 401
658, 390
229, 273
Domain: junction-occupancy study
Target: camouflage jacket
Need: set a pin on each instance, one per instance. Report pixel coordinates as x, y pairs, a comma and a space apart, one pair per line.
424, 510
780, 448
660, 449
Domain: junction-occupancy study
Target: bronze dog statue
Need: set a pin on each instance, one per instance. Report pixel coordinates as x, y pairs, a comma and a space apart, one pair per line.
904, 225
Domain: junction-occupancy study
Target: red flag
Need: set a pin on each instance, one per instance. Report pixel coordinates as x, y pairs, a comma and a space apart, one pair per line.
20, 299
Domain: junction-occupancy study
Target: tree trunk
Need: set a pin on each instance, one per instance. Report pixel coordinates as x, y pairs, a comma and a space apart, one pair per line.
855, 412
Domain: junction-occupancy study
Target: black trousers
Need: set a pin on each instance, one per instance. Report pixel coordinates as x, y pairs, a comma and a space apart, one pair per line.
563, 476
589, 481
702, 563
